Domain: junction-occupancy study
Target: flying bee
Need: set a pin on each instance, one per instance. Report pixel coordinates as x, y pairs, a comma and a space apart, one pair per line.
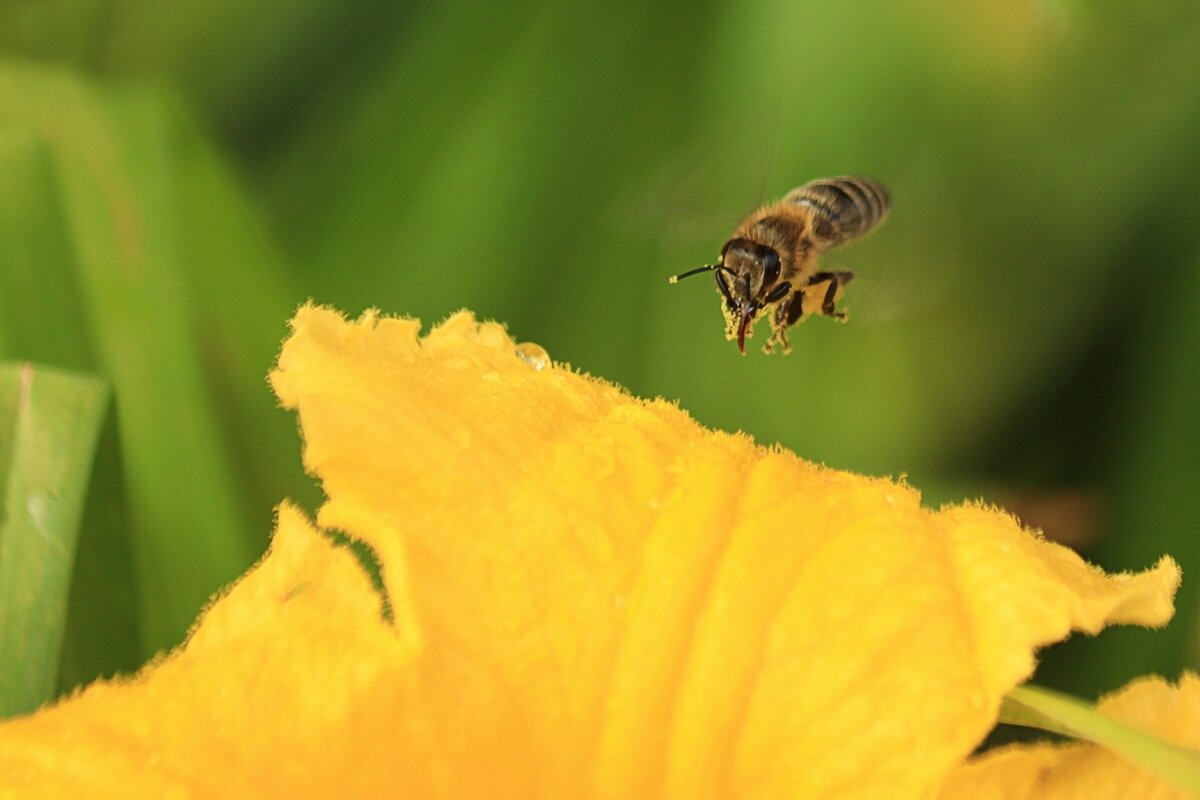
770, 262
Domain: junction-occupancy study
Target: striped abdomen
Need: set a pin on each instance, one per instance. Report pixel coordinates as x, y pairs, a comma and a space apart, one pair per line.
843, 208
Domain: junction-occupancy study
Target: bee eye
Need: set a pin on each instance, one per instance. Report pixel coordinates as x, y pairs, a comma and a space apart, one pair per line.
770, 265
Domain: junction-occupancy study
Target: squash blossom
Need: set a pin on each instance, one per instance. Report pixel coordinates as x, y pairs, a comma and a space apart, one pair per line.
587, 595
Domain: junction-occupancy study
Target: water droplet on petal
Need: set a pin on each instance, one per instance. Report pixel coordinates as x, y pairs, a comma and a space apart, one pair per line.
533, 355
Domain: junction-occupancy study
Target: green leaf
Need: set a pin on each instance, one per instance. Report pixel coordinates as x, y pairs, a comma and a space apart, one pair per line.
49, 423
114, 191
1035, 707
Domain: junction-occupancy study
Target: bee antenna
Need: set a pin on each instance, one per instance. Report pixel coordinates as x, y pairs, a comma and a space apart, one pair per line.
696, 271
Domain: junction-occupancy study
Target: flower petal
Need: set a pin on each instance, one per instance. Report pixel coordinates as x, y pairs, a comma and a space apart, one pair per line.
592, 595
646, 606
273, 695
1087, 771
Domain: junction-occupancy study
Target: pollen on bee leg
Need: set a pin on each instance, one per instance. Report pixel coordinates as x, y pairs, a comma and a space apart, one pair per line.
731, 324
784, 346
778, 337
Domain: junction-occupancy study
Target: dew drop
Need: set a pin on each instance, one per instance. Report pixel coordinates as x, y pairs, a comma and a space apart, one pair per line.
533, 355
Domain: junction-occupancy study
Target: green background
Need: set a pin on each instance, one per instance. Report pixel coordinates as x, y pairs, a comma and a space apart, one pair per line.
176, 178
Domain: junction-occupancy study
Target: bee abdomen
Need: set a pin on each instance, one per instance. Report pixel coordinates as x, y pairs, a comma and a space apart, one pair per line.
844, 208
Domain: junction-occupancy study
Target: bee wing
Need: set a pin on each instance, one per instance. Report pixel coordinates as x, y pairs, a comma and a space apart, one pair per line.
885, 292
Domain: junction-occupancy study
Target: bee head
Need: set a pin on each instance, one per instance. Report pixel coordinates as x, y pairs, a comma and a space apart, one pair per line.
753, 269
748, 272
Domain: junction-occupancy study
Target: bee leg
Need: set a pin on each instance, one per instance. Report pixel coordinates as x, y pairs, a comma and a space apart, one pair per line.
778, 327
778, 293
786, 315
729, 308
778, 337
792, 310
836, 281
725, 293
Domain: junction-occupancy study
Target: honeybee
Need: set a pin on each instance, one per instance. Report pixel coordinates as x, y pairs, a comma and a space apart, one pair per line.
770, 262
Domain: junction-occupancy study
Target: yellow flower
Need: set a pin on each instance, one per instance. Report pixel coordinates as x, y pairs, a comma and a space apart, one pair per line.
1084, 771
590, 595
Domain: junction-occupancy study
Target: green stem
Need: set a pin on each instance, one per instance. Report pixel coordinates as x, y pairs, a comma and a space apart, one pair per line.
1035, 707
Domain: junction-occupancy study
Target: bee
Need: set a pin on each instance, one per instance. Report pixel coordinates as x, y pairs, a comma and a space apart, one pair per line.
770, 262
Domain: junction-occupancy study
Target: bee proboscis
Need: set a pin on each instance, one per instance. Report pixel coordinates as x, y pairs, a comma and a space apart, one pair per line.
770, 261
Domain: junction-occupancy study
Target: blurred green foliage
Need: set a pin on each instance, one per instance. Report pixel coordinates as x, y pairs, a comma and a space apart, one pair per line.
176, 178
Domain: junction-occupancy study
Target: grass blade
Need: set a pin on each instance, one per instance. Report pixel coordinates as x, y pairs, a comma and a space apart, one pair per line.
49, 423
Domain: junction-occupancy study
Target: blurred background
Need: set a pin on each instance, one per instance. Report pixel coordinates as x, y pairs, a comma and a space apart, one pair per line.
176, 178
